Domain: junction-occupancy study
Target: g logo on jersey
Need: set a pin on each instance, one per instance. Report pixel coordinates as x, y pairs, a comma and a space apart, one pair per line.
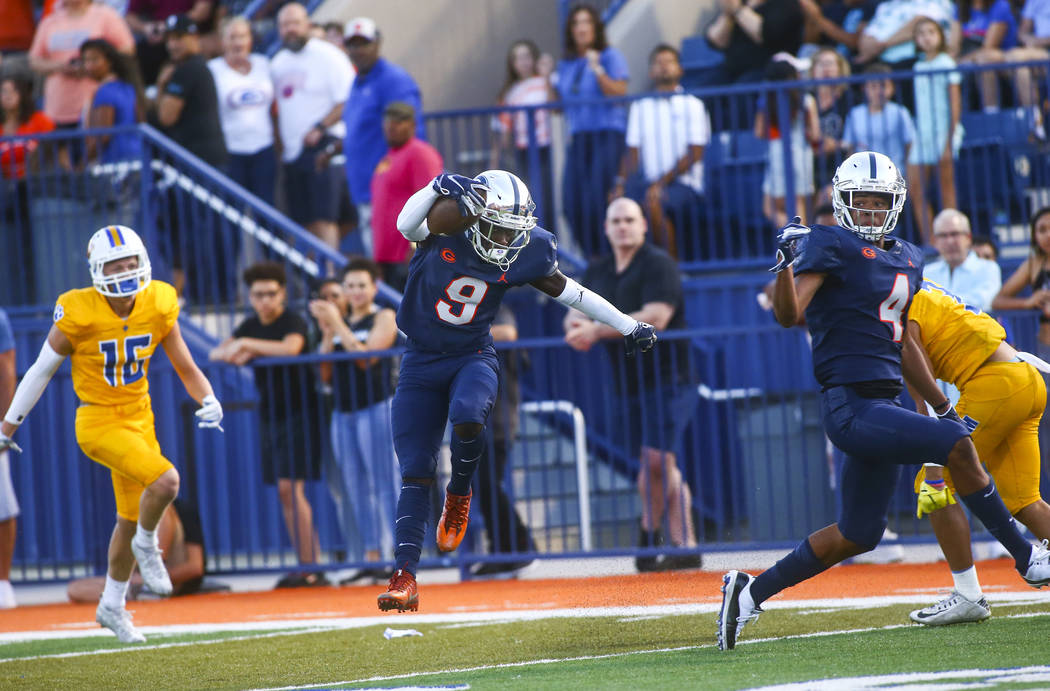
448, 255
868, 252
59, 312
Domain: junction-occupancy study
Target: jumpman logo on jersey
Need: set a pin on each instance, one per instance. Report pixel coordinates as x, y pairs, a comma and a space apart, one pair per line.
910, 264
503, 278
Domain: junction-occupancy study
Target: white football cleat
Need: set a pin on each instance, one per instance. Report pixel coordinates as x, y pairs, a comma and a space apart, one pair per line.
1038, 573
734, 615
119, 622
151, 566
954, 609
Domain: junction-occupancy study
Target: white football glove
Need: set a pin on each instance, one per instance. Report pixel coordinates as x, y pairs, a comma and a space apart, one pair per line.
7, 442
210, 413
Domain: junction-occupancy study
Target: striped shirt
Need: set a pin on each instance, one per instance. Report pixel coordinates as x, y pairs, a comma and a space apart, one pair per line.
663, 128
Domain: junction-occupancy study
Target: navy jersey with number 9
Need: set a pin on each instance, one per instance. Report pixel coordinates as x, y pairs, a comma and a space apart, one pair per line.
452, 295
858, 315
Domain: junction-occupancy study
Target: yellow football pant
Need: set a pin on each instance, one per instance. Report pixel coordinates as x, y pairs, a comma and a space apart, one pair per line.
1007, 400
123, 439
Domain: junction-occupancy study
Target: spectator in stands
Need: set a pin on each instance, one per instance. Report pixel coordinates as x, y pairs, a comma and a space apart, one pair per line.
803, 135
407, 166
19, 117
311, 78
287, 408
751, 32
187, 104
986, 248
360, 429
938, 134
890, 35
55, 54
880, 124
837, 24
1033, 273
181, 539
118, 101
245, 93
1034, 35
507, 533
644, 281
667, 133
333, 33
988, 29
8, 499
147, 20
832, 109
525, 86
591, 69
379, 83
977, 281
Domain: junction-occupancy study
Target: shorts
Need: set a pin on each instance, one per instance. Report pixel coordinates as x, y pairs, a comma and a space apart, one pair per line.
1007, 400
123, 439
654, 419
311, 195
291, 449
8, 500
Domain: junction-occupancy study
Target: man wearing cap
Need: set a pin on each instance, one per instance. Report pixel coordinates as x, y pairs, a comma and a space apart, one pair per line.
187, 107
959, 269
378, 83
407, 166
311, 79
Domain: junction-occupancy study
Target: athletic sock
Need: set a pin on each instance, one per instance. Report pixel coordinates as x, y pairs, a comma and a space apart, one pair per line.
989, 509
967, 585
466, 454
413, 508
114, 592
145, 537
791, 570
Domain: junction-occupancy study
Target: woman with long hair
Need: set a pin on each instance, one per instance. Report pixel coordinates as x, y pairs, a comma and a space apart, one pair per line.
591, 70
1033, 273
118, 101
525, 86
832, 108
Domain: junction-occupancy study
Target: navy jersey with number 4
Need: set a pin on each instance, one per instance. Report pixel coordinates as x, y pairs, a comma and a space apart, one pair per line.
452, 295
857, 317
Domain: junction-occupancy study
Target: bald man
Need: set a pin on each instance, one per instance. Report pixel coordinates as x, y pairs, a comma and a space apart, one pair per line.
643, 281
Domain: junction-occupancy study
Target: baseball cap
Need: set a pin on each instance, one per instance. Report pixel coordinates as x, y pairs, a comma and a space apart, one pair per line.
180, 24
399, 110
363, 27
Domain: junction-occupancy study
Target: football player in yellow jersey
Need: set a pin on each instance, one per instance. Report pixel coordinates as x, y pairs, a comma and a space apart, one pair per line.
110, 332
1004, 395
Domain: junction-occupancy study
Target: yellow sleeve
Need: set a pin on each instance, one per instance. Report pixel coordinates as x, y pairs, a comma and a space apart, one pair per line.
71, 316
167, 304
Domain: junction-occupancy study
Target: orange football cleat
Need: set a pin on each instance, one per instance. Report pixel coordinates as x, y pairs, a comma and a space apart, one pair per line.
453, 524
401, 593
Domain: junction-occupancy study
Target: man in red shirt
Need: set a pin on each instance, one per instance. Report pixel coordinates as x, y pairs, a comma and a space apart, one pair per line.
408, 165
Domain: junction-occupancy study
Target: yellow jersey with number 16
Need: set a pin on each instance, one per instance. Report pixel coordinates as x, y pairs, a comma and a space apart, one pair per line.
957, 336
111, 355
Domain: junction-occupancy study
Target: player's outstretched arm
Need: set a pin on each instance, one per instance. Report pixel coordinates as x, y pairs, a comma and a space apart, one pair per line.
638, 335
197, 385
55, 349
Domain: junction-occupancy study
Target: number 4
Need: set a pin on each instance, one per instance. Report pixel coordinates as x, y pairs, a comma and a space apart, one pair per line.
891, 310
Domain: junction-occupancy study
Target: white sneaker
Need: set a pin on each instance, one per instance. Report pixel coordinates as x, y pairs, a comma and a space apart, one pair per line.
954, 609
1038, 573
7, 596
119, 622
732, 617
151, 566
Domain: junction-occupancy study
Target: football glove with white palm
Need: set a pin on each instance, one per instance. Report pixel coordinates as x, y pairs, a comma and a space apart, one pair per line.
950, 414
641, 339
787, 243
466, 191
209, 415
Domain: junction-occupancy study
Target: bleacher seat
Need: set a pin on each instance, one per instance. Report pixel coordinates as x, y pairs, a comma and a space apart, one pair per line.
699, 61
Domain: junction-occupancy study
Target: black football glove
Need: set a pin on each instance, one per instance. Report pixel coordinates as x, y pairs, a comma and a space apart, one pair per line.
466, 191
950, 414
787, 243
641, 339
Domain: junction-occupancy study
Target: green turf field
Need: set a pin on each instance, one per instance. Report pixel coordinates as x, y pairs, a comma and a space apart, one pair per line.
675, 651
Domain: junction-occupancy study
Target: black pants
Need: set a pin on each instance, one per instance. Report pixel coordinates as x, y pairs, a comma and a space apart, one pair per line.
507, 532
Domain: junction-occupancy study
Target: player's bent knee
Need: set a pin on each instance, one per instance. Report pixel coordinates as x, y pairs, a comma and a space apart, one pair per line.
468, 430
167, 485
861, 539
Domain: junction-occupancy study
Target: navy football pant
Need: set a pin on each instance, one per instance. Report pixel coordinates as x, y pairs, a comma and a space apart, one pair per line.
433, 389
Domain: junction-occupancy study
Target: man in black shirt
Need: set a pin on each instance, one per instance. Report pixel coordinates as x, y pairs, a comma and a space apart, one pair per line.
751, 32
643, 281
287, 407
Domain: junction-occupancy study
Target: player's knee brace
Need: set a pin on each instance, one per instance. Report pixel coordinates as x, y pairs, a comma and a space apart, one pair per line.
424, 481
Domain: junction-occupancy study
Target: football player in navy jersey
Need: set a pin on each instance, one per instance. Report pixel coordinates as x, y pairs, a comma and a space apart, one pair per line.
450, 372
854, 285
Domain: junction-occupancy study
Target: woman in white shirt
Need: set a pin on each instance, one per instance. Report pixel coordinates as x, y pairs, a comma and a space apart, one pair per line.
245, 90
